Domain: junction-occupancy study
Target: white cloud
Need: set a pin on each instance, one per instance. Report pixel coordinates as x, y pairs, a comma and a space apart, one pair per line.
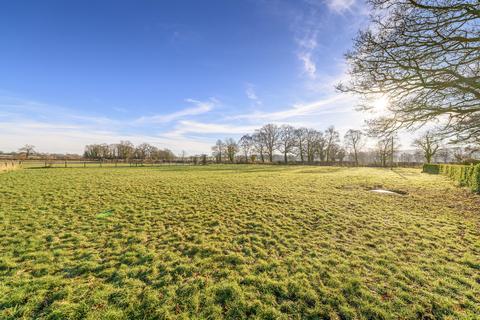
186, 126
66, 138
56, 129
340, 6
309, 66
339, 103
199, 108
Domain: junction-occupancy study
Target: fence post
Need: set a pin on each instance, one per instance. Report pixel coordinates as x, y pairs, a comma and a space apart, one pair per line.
45, 163
84, 164
65, 163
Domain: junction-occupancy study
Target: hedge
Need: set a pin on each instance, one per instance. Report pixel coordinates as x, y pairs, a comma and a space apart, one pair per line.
465, 175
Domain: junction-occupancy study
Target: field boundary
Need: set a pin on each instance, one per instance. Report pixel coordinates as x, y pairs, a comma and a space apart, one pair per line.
109, 163
9, 165
464, 175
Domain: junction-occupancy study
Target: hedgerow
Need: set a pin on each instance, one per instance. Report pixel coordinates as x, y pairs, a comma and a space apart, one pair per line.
465, 175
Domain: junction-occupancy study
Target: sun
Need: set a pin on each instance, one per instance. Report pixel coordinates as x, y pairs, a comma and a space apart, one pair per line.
381, 104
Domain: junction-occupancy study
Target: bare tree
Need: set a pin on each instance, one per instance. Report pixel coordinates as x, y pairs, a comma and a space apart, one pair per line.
300, 142
312, 138
354, 141
218, 150
332, 138
125, 150
428, 144
259, 144
424, 56
340, 154
231, 149
92, 151
28, 149
246, 144
286, 141
143, 151
270, 134
444, 154
386, 149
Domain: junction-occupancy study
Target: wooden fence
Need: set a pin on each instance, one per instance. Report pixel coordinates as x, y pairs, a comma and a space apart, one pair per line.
95, 163
139, 163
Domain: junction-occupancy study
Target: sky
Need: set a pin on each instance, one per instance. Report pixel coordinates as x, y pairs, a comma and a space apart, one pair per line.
176, 74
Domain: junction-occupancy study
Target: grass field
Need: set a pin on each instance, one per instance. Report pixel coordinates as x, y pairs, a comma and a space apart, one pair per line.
266, 242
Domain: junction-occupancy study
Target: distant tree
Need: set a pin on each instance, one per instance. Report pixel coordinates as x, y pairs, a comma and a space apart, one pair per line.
104, 151
473, 150
319, 145
300, 142
259, 144
386, 149
246, 144
92, 151
340, 154
231, 149
406, 157
444, 154
143, 151
332, 138
428, 144
125, 150
287, 141
423, 55
28, 149
313, 141
218, 150
270, 134
354, 142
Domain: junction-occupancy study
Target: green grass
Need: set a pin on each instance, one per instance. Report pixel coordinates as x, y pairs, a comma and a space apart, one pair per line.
266, 242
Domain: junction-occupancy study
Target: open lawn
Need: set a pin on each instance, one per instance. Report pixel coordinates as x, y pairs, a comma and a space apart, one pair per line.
267, 242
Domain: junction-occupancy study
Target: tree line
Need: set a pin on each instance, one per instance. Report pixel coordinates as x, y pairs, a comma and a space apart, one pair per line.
285, 143
126, 150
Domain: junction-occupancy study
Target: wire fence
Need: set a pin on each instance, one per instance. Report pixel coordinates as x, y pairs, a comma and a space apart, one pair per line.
39, 163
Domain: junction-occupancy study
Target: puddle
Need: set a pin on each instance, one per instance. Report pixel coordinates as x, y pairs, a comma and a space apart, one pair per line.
394, 193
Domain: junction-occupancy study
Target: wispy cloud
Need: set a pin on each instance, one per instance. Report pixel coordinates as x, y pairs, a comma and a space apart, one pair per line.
65, 138
251, 94
195, 127
309, 66
340, 6
199, 108
333, 104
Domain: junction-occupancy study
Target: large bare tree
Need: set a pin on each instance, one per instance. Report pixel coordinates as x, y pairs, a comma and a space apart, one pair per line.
300, 142
354, 141
424, 56
270, 134
28, 149
231, 149
428, 144
332, 138
286, 141
246, 144
218, 150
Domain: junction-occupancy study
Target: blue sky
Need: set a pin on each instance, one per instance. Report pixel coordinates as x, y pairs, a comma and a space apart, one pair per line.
177, 74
